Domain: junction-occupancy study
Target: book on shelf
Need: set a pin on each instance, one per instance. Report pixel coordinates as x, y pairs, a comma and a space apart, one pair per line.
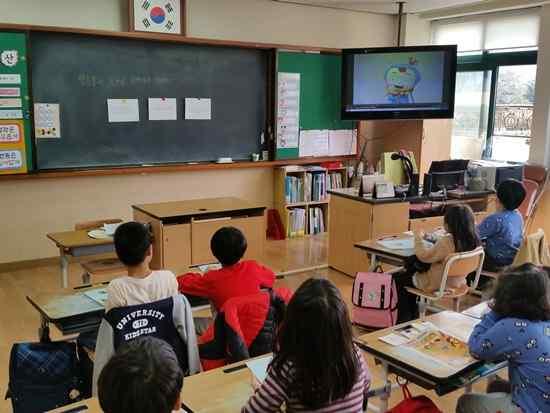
315, 186
296, 222
335, 180
293, 189
316, 220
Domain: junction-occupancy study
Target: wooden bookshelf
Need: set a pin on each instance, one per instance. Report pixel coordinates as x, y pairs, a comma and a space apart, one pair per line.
284, 205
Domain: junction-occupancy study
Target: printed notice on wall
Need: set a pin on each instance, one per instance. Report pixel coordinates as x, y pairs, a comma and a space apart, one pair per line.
10, 133
313, 143
123, 110
288, 110
10, 103
11, 114
163, 109
198, 109
9, 79
10, 160
47, 120
342, 142
10, 92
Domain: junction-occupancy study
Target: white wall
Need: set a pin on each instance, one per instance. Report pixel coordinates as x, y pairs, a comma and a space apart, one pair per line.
540, 143
32, 208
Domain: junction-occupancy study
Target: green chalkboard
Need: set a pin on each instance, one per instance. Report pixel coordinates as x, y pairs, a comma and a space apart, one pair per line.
320, 92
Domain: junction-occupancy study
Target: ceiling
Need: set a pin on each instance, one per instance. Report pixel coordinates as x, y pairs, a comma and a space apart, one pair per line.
388, 6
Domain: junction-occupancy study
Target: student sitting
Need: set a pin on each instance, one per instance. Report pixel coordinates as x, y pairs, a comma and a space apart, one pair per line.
236, 278
460, 236
518, 330
502, 232
142, 377
316, 366
142, 285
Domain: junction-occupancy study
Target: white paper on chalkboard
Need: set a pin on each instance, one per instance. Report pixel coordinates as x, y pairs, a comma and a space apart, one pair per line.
123, 110
47, 122
163, 109
198, 109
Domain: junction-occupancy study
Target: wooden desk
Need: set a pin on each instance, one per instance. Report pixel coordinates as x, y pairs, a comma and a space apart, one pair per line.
353, 219
77, 244
85, 406
183, 229
380, 254
74, 312
422, 370
226, 389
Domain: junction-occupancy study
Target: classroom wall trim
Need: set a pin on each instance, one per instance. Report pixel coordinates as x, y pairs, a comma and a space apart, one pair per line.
142, 170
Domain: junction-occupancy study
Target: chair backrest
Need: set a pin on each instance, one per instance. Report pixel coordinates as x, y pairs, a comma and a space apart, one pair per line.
88, 225
537, 173
534, 250
153, 319
461, 264
531, 191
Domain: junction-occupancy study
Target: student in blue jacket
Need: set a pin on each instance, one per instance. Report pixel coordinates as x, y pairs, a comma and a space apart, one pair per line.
516, 329
502, 232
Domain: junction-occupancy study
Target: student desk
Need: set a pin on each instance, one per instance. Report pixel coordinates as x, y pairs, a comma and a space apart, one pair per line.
77, 244
423, 370
182, 229
225, 389
75, 312
353, 219
379, 254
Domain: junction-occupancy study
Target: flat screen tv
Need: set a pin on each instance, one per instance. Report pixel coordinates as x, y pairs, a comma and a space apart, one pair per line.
399, 83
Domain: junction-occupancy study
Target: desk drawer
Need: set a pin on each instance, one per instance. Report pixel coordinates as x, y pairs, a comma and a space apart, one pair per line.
253, 229
426, 224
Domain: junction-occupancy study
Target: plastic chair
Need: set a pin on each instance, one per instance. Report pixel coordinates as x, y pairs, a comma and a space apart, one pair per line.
109, 267
456, 265
528, 204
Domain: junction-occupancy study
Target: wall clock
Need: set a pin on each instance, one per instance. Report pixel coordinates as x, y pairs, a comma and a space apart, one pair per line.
157, 16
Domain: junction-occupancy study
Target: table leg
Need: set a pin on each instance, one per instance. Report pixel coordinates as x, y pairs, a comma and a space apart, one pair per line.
373, 262
64, 264
384, 399
44, 330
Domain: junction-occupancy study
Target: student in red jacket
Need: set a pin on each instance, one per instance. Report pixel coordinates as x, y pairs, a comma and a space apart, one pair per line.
236, 278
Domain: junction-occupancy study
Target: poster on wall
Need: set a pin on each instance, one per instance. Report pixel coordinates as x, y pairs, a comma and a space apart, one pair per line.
288, 110
15, 124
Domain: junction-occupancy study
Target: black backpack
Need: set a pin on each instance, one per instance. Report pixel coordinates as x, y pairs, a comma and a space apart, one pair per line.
43, 376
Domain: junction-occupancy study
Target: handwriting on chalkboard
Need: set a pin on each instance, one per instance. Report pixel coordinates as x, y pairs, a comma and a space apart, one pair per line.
90, 80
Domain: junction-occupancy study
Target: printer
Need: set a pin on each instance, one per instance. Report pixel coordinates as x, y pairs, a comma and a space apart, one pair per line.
491, 174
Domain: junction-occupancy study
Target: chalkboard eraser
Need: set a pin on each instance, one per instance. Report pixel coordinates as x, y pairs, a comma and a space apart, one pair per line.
192, 163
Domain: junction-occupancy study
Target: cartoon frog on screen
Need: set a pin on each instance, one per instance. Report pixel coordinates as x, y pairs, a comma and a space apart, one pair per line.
401, 79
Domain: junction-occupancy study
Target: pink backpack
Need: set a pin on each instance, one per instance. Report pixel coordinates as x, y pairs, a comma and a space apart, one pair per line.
374, 299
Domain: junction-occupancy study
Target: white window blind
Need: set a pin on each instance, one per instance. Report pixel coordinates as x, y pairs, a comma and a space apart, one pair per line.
506, 30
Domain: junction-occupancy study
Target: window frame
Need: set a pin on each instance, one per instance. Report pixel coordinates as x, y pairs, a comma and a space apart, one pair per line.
491, 61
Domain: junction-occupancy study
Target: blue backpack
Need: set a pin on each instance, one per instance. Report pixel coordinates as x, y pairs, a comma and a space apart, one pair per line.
43, 376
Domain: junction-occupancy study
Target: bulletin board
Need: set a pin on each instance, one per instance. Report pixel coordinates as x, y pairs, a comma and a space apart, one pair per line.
320, 92
15, 137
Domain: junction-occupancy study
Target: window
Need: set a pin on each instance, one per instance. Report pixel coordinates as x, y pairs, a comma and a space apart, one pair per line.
515, 29
513, 113
495, 84
471, 114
